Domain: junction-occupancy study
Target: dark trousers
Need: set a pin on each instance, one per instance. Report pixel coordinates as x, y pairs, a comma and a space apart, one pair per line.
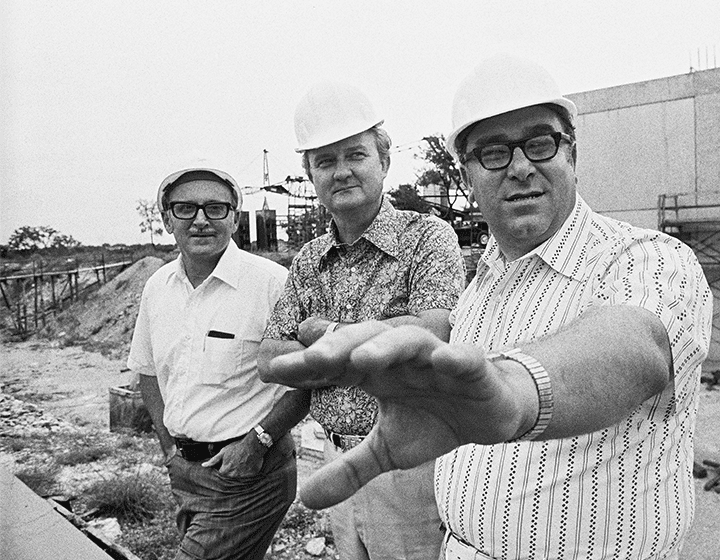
222, 518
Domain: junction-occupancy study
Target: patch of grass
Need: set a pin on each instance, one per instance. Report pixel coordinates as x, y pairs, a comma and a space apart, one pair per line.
14, 444
154, 539
83, 455
131, 498
41, 479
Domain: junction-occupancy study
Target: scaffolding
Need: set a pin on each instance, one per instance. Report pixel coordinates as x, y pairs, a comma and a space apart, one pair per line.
694, 219
306, 218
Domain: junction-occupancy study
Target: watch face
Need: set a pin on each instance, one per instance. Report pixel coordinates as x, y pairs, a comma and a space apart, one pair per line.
263, 436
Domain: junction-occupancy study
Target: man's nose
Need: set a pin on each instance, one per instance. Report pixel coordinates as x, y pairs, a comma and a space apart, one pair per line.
343, 170
520, 166
201, 219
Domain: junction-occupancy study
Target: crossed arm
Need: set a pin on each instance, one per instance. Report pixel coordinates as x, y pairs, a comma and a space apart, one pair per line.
313, 328
434, 396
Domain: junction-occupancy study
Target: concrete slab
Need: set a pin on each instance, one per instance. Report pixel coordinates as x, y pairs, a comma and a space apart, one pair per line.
312, 439
31, 529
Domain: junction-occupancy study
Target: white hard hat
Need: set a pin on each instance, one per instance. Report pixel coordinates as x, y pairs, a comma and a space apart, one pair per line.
330, 112
224, 178
501, 84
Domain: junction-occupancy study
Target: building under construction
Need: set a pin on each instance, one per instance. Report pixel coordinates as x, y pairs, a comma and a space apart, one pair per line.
649, 154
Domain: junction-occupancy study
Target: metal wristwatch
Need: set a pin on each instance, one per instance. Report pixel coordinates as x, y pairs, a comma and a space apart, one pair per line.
542, 384
265, 438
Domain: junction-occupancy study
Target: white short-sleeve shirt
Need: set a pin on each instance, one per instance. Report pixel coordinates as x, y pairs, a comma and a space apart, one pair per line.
622, 492
203, 343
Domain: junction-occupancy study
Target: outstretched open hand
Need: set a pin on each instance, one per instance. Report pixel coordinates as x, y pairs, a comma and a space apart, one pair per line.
432, 398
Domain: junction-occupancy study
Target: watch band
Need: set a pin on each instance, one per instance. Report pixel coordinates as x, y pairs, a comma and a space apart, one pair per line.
542, 384
264, 438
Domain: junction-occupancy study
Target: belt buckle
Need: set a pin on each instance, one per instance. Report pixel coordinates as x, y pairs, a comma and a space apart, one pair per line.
346, 443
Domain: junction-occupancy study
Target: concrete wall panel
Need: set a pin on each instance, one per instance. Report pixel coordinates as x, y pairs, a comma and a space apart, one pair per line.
629, 156
707, 111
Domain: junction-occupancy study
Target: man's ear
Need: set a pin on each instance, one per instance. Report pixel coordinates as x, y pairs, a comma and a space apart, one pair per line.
167, 222
466, 181
386, 166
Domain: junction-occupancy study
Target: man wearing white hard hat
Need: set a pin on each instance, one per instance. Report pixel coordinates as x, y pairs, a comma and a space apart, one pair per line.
224, 432
375, 263
562, 409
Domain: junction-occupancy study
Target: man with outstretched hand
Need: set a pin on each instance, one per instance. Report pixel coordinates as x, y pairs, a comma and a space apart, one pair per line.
563, 407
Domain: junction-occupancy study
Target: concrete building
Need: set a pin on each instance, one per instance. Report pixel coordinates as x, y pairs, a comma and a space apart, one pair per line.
649, 154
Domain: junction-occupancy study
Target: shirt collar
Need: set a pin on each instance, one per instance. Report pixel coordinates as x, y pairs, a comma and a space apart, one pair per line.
565, 251
227, 269
383, 232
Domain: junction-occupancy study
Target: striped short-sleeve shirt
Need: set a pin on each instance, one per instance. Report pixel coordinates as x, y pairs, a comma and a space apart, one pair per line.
622, 492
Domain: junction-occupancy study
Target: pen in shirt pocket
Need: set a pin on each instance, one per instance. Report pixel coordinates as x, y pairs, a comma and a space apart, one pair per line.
218, 334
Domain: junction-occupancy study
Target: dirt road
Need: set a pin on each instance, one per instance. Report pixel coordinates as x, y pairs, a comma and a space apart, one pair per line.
73, 384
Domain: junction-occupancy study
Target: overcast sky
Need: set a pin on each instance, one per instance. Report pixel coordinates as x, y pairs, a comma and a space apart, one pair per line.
100, 100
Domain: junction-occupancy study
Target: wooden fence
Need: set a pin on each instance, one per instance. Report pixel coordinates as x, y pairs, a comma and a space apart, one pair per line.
30, 298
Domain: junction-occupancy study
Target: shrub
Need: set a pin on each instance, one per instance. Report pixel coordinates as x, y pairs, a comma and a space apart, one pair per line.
132, 498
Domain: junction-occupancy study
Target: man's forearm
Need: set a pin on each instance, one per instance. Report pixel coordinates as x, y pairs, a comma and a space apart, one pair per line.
437, 321
271, 348
156, 407
602, 366
292, 407
434, 320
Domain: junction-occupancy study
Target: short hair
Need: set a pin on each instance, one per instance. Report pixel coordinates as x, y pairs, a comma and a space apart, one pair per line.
566, 122
199, 175
383, 143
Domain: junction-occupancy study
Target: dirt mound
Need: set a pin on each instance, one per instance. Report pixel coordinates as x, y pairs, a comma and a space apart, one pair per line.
105, 320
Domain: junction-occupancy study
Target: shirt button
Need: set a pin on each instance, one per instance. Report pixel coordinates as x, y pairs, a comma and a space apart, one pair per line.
353, 269
348, 306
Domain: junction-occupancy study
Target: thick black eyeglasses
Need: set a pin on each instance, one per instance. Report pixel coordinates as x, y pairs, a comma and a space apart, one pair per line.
188, 210
498, 155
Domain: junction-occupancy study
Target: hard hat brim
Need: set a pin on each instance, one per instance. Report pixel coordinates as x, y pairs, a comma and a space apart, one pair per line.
563, 102
170, 179
333, 136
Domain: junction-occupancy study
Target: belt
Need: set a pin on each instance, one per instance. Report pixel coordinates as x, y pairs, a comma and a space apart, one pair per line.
344, 442
200, 450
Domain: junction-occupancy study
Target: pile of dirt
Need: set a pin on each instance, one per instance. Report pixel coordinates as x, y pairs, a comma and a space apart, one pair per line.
104, 321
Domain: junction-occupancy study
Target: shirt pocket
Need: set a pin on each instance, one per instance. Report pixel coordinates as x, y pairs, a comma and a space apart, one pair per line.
219, 360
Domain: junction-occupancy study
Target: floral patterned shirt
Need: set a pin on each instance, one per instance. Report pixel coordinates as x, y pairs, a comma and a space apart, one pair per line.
404, 263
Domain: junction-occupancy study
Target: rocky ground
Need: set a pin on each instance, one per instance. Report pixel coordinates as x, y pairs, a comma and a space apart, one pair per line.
63, 393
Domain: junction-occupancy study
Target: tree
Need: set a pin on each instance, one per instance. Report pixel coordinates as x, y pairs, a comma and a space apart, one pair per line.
150, 219
406, 197
32, 238
440, 170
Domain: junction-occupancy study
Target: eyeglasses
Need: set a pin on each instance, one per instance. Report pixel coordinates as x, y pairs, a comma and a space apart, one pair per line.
188, 210
499, 155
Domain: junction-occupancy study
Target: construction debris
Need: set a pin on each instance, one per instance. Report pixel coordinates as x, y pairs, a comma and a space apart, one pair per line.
711, 468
